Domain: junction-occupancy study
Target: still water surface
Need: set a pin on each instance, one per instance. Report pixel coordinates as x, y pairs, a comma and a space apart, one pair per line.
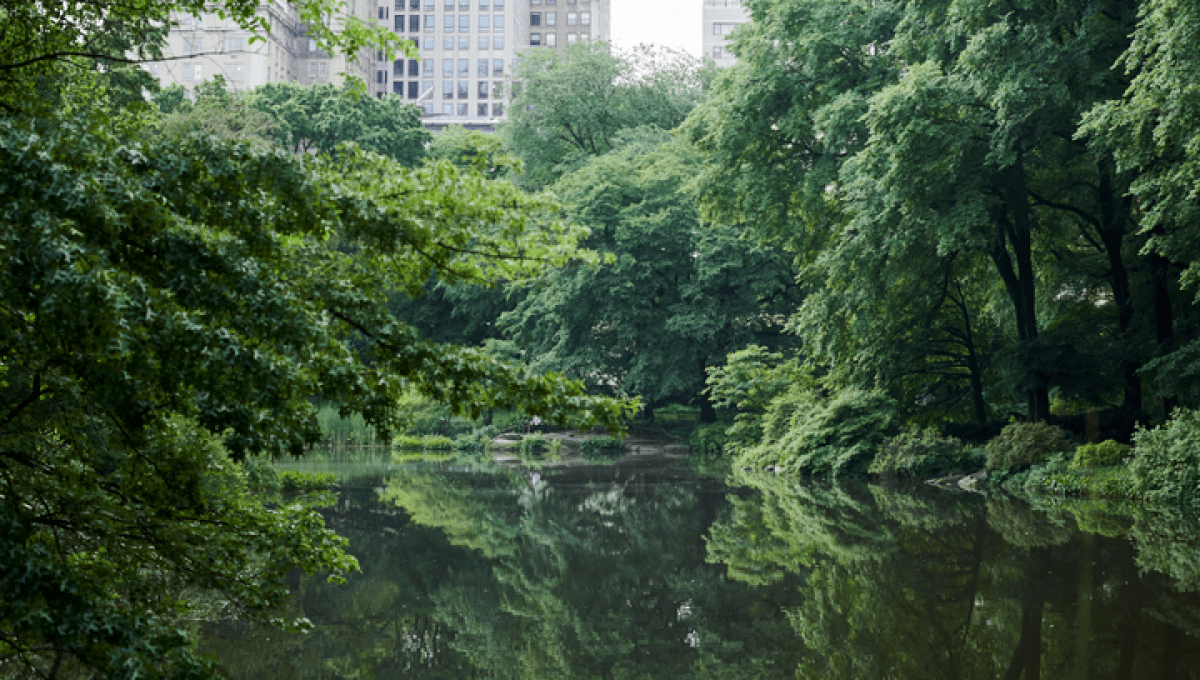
646, 570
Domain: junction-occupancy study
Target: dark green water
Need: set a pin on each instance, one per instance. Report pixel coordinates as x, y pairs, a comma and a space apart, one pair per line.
647, 571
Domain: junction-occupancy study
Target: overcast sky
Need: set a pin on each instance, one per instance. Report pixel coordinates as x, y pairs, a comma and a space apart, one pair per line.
673, 23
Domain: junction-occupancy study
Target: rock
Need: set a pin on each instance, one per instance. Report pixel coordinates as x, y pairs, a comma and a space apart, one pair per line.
973, 482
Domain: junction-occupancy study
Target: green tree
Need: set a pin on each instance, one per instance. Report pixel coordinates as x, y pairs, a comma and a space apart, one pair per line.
321, 117
570, 103
216, 111
677, 297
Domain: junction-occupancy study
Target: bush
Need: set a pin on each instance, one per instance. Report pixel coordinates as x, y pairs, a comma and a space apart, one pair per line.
923, 455
601, 446
1166, 460
476, 440
709, 439
1021, 445
1100, 455
803, 435
428, 442
537, 444
298, 480
260, 474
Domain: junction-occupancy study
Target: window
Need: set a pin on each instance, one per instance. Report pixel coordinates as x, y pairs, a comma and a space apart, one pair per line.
412, 89
497, 5
485, 23
414, 23
397, 69
483, 5
535, 39
427, 108
464, 42
383, 12
481, 68
447, 89
497, 67
497, 25
497, 110
447, 68
187, 22
464, 89
498, 42
551, 39
551, 2
535, 2
464, 5
448, 23
718, 52
448, 5
570, 2
427, 43
462, 109
551, 18
572, 38
464, 68
482, 89
723, 28
427, 89
312, 69
322, 70
572, 18
414, 68
535, 19
312, 44
378, 55
428, 5
430, 23
585, 18
497, 89
398, 23
192, 45
447, 109
397, 88
484, 43
187, 71
427, 68
447, 43
235, 44
464, 23
381, 76
481, 110
155, 70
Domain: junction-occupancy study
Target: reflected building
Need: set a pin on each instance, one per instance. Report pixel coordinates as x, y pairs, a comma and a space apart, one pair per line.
719, 18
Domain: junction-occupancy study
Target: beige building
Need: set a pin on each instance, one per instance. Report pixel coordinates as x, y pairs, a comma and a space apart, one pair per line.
719, 18
202, 47
467, 49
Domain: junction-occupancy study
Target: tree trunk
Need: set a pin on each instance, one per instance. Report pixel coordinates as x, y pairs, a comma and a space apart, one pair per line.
1114, 214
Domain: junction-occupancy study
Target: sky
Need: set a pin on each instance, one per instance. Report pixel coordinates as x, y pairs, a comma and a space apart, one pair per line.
672, 23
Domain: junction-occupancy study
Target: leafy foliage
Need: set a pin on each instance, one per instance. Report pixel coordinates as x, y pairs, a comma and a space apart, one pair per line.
1021, 445
923, 455
1104, 453
601, 446
805, 434
302, 480
1166, 461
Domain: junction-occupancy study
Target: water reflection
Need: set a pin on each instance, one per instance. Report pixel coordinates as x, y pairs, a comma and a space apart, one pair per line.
651, 572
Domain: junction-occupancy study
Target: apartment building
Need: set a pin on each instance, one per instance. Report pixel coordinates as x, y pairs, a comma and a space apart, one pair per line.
204, 46
719, 18
467, 49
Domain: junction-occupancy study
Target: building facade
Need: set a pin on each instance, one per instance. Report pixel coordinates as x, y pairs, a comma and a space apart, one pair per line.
205, 46
719, 18
467, 50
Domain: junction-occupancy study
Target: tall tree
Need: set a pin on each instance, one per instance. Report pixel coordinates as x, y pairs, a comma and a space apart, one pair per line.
569, 104
320, 117
679, 294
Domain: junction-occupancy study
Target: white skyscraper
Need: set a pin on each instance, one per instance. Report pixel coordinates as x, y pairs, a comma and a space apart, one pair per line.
719, 18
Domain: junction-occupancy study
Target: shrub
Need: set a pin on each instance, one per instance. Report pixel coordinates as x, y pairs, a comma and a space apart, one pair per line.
709, 439
260, 474
834, 436
601, 446
429, 442
534, 444
1099, 455
917, 454
1166, 460
476, 440
299, 480
1021, 445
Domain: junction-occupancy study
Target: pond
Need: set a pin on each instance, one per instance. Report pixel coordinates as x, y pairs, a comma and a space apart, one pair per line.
644, 569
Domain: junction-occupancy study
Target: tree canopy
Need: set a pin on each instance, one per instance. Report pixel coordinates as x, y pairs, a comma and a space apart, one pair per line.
171, 306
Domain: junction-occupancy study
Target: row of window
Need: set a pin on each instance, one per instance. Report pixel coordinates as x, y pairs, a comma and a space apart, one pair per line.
551, 39
583, 18
463, 110
720, 28
191, 71
194, 44
463, 5
416, 67
451, 89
